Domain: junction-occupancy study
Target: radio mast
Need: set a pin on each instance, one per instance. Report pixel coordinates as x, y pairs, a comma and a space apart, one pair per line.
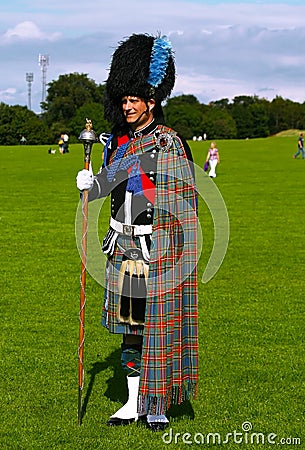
29, 79
43, 61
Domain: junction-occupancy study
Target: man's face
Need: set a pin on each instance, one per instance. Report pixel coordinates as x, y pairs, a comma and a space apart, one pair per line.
137, 112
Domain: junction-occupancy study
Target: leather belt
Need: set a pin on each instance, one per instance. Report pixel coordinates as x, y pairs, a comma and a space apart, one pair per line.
130, 230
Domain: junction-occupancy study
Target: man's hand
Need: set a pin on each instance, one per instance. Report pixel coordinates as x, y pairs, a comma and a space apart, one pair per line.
84, 180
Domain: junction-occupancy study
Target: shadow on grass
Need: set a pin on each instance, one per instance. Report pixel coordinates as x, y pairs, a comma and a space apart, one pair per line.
116, 390
182, 411
116, 387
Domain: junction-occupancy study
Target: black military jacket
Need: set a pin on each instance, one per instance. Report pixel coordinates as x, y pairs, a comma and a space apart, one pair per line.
142, 205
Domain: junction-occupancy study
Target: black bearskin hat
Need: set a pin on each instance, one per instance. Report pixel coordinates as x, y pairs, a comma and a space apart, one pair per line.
142, 66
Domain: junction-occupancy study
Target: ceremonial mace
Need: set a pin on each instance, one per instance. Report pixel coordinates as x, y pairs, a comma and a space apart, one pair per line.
88, 137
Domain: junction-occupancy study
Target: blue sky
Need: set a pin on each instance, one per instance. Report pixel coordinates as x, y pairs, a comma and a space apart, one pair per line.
222, 48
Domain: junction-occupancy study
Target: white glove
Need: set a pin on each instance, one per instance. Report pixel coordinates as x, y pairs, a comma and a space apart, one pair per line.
84, 180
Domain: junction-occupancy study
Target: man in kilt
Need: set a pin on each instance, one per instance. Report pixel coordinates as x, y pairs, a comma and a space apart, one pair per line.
151, 276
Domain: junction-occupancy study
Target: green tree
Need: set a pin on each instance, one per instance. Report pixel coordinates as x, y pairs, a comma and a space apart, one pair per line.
183, 100
16, 121
64, 98
241, 113
184, 114
222, 103
218, 124
259, 113
95, 112
285, 114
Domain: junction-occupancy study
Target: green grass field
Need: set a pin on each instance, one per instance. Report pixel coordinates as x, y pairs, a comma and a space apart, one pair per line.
252, 331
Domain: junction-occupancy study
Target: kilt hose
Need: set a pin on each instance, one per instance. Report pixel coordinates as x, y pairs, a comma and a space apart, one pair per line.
169, 362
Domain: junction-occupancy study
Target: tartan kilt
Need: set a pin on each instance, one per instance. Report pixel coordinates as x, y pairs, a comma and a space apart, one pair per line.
111, 294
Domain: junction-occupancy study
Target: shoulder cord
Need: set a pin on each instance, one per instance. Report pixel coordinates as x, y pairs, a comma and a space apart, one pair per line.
134, 183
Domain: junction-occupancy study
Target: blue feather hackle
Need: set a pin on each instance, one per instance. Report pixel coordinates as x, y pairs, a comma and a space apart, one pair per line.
160, 54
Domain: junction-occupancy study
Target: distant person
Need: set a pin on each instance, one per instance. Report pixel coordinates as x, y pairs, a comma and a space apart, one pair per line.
213, 159
22, 140
61, 144
66, 143
300, 147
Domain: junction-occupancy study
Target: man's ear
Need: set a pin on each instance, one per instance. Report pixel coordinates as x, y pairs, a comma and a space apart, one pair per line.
151, 104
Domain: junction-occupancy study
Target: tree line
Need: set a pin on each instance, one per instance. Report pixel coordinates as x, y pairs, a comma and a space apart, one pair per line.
73, 97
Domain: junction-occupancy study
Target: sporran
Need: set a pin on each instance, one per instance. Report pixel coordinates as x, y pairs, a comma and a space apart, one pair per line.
132, 284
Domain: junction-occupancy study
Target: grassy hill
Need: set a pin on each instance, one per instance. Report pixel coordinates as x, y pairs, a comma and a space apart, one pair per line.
289, 133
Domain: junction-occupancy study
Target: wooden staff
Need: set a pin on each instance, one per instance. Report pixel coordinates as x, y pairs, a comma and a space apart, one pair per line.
88, 137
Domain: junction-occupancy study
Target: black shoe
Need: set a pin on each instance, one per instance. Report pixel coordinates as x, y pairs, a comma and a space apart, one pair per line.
157, 426
142, 420
116, 421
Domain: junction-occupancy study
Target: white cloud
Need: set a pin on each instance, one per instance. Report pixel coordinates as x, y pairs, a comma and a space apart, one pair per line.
7, 94
28, 30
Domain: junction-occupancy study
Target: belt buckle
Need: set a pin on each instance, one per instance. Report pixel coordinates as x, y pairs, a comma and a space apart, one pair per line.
128, 230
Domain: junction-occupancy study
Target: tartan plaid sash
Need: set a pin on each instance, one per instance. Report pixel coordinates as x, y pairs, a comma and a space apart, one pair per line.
169, 366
